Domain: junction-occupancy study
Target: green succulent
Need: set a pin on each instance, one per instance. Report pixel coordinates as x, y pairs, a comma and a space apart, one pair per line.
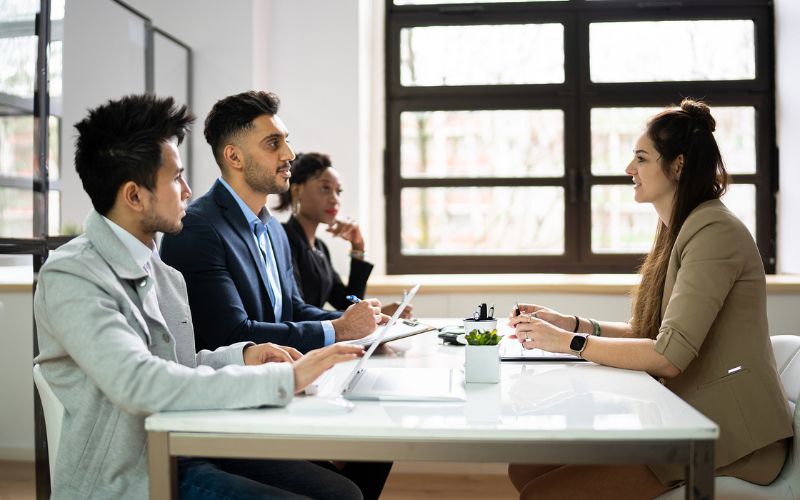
476, 337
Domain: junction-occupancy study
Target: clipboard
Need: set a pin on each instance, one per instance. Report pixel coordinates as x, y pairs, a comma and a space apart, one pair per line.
400, 330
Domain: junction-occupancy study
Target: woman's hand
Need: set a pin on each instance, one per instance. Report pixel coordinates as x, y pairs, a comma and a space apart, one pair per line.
348, 230
545, 313
534, 332
269, 353
316, 362
389, 309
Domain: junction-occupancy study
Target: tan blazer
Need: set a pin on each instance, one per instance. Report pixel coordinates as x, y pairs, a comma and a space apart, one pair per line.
714, 329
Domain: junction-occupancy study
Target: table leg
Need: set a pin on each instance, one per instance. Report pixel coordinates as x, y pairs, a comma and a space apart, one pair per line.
162, 468
700, 471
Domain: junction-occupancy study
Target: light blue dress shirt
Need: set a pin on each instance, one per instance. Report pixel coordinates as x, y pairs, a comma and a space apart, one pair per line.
258, 230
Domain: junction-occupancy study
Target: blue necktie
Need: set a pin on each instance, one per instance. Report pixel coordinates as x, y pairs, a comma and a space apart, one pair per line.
274, 288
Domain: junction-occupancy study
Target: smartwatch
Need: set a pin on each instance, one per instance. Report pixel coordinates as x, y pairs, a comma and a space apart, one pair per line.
578, 344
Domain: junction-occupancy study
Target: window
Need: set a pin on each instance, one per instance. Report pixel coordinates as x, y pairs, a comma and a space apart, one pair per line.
510, 124
20, 176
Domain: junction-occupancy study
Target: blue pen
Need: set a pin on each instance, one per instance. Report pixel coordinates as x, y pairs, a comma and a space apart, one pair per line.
353, 299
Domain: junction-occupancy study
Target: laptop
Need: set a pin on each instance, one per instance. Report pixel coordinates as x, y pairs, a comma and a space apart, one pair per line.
401, 384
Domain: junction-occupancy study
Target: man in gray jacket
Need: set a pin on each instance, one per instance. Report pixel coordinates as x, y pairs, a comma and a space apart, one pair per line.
116, 337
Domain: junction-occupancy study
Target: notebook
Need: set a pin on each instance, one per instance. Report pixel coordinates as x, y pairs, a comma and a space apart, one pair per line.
512, 350
401, 384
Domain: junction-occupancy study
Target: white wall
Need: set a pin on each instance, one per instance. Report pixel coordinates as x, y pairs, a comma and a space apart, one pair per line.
226, 61
93, 73
787, 17
313, 66
16, 377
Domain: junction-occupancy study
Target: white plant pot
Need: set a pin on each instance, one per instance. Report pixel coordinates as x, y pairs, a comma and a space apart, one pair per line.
482, 364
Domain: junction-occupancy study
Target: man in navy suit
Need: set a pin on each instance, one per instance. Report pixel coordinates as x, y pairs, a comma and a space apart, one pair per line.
234, 255
236, 259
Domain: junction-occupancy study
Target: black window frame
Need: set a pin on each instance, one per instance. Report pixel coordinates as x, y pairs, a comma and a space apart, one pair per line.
576, 97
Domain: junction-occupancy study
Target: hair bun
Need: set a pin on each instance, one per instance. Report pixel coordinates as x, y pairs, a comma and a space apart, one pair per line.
699, 112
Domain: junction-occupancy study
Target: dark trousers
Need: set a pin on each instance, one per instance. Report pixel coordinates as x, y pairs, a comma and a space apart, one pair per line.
370, 477
215, 479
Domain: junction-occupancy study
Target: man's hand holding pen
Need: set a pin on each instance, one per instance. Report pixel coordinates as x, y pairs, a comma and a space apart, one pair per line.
358, 320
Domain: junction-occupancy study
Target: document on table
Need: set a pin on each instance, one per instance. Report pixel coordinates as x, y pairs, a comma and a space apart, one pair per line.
512, 350
401, 329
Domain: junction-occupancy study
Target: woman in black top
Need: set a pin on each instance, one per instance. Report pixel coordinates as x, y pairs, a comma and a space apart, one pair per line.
314, 199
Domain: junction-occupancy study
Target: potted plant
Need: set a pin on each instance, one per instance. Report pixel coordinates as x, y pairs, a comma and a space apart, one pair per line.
482, 364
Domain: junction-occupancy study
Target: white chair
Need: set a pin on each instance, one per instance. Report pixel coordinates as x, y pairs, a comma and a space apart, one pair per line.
787, 486
53, 416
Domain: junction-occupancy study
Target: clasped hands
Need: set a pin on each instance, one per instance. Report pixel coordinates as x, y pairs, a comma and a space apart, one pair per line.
541, 327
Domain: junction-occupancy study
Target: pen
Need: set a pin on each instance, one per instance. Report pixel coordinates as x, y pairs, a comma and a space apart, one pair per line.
516, 308
353, 299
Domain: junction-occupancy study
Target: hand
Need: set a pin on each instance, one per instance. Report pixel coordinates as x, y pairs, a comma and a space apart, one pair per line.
533, 332
389, 309
358, 320
316, 362
545, 313
347, 230
269, 353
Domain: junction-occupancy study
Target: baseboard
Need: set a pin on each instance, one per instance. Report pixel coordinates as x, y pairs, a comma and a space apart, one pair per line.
468, 468
17, 454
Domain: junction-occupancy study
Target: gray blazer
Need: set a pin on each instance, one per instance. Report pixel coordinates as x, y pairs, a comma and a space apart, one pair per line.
117, 345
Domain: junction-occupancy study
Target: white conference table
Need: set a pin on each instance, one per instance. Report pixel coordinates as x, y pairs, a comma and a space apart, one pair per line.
542, 412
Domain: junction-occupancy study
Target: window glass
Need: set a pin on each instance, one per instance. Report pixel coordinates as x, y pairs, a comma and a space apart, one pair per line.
54, 213
17, 153
18, 10
741, 200
482, 221
619, 224
18, 65
55, 65
509, 54
505, 143
615, 130
16, 212
665, 51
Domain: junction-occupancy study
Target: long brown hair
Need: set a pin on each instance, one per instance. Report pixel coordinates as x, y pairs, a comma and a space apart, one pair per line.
687, 130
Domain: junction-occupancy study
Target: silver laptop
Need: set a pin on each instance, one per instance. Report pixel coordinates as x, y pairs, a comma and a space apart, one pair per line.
401, 384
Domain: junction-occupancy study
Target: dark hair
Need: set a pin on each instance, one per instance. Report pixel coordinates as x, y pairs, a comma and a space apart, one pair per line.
120, 141
235, 114
305, 166
687, 130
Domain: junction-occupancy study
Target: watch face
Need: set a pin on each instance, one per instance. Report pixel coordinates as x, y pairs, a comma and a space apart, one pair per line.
577, 343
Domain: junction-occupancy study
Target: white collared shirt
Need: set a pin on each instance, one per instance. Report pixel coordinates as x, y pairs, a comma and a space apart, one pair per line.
139, 251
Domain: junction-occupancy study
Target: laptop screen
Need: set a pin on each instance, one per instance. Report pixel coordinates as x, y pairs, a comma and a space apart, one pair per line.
377, 341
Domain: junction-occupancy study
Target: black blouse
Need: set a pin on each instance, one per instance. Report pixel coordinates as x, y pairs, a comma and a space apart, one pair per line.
318, 281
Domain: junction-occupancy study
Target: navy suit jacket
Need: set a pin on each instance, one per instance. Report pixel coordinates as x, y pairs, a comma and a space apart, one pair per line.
217, 254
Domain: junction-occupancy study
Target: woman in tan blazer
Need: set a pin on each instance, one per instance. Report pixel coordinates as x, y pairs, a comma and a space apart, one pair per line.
699, 321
